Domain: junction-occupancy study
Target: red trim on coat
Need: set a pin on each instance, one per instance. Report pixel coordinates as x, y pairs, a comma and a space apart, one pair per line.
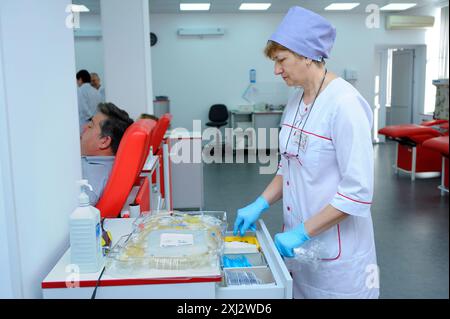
325, 138
354, 200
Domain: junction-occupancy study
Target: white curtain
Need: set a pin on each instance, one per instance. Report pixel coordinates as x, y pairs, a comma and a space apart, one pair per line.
443, 46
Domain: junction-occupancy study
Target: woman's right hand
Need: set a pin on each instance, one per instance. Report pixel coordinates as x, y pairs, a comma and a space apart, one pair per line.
247, 216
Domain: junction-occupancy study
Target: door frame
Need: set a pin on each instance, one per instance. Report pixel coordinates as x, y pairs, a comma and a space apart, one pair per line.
411, 93
419, 75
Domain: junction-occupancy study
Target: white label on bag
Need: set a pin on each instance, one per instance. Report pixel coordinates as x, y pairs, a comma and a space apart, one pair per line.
171, 239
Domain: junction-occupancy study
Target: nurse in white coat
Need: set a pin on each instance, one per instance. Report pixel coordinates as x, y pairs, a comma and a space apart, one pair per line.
325, 175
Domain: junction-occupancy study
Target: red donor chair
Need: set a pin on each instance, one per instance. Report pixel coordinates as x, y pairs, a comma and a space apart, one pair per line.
411, 157
130, 159
440, 145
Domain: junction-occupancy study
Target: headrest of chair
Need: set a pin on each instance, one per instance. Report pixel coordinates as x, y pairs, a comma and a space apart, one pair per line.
160, 131
149, 126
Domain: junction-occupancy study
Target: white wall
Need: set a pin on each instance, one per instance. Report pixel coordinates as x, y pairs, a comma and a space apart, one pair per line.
432, 52
89, 50
127, 58
40, 159
196, 73
6, 282
10, 281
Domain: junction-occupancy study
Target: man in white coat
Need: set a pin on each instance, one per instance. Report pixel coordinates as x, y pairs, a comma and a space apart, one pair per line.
96, 84
325, 175
88, 98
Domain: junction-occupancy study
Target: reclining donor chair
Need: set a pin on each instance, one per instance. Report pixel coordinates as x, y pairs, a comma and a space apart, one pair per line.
128, 164
440, 145
411, 157
156, 146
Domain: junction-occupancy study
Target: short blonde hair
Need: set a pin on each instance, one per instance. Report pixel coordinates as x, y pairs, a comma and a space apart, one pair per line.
272, 47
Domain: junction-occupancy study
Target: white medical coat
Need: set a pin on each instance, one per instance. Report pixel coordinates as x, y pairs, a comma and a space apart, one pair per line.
101, 90
88, 99
334, 166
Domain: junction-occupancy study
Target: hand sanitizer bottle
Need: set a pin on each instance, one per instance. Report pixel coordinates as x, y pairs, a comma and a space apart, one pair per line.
85, 234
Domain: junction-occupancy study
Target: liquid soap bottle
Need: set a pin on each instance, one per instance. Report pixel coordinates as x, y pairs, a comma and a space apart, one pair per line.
85, 234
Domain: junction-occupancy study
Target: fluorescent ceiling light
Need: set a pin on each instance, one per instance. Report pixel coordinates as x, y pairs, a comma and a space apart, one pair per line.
398, 6
195, 6
255, 6
79, 8
342, 6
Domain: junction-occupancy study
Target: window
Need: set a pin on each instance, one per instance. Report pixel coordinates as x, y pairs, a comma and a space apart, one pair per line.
443, 45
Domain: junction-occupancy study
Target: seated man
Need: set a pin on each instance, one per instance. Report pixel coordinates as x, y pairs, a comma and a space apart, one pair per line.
148, 116
100, 139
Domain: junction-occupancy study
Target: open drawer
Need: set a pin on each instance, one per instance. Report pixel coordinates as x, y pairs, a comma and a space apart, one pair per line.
268, 278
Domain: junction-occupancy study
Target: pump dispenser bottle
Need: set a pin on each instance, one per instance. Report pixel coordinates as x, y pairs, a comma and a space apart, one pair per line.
85, 234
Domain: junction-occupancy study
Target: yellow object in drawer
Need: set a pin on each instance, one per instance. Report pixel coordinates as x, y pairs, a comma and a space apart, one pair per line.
246, 239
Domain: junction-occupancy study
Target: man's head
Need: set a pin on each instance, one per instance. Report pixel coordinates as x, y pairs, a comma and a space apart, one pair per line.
148, 116
83, 76
95, 80
102, 134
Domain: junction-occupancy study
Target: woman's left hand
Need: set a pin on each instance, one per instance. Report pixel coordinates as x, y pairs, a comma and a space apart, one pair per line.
287, 241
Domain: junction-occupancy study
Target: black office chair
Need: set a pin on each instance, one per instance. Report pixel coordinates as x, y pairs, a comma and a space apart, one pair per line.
218, 115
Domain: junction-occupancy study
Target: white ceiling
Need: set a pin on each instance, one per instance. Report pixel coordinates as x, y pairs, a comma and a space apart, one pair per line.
278, 6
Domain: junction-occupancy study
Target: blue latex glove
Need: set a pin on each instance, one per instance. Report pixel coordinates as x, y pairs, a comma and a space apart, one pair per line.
247, 216
287, 241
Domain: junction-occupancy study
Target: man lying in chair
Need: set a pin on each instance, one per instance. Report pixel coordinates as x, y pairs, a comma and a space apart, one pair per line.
100, 139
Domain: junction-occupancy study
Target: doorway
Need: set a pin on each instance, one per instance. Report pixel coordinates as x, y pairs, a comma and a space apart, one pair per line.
399, 86
399, 108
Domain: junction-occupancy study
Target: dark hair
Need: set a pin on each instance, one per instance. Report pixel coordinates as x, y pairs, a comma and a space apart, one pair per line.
84, 76
115, 125
148, 116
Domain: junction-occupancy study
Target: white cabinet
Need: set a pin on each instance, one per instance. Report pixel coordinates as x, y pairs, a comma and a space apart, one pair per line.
186, 170
261, 123
264, 122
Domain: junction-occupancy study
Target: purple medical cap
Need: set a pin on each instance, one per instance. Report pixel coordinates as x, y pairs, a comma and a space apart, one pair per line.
305, 33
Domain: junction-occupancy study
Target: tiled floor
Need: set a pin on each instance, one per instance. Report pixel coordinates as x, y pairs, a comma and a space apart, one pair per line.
410, 222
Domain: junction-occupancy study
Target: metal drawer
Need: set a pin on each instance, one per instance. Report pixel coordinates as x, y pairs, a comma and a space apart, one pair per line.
276, 280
